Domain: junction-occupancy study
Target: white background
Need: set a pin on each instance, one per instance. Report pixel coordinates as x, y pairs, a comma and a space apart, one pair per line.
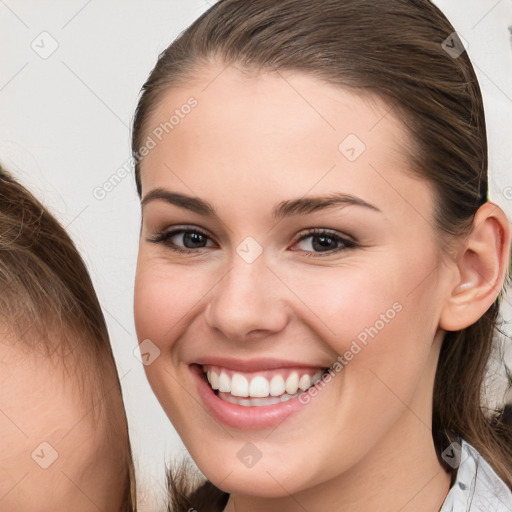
65, 129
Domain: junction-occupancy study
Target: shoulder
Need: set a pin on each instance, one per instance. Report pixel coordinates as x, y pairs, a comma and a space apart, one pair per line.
477, 488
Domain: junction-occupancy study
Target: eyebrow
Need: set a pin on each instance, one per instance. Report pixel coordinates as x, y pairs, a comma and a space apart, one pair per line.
311, 204
300, 206
183, 201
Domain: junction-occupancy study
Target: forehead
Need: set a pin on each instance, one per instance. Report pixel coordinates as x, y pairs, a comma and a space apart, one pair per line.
231, 97
282, 131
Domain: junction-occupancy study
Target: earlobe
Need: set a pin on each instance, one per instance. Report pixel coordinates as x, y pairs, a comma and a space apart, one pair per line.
482, 267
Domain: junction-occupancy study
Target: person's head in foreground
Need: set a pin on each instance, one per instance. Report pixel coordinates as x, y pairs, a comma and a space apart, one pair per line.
64, 441
313, 177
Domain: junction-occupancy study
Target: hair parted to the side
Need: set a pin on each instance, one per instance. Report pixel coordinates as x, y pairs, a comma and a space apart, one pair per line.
48, 306
392, 50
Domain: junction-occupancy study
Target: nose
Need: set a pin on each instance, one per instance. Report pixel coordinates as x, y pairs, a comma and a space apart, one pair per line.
248, 302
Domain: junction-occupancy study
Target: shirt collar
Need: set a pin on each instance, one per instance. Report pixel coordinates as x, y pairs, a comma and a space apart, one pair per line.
477, 488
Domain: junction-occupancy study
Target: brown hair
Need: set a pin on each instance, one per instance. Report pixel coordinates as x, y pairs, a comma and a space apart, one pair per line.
393, 50
48, 305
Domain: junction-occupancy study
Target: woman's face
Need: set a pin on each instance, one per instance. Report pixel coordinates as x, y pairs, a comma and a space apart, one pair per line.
56, 434
281, 236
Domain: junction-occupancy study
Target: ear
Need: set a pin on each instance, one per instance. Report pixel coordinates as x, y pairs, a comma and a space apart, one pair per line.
482, 265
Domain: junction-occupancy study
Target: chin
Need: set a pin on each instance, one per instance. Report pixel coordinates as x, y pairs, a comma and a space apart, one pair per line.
259, 481
271, 473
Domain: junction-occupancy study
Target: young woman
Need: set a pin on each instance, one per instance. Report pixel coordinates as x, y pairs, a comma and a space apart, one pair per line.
65, 440
319, 265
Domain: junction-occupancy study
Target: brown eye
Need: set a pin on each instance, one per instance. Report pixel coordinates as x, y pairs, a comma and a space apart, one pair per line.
183, 240
192, 239
321, 241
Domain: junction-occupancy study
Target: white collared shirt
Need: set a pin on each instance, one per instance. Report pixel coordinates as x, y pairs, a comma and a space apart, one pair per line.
477, 488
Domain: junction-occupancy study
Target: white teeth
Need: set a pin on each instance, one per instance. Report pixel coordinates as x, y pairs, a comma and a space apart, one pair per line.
277, 387
264, 401
285, 398
259, 387
256, 402
316, 377
292, 383
239, 385
251, 402
213, 379
242, 388
305, 382
224, 383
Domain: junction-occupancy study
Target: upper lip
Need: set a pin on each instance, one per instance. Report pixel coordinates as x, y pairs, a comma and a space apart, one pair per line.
253, 365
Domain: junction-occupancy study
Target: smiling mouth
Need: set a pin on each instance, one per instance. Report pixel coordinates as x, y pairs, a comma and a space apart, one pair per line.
257, 389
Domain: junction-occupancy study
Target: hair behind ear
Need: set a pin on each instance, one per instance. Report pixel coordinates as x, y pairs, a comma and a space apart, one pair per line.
458, 397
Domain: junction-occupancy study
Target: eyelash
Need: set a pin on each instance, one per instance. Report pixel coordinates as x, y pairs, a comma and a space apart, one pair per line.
164, 236
346, 243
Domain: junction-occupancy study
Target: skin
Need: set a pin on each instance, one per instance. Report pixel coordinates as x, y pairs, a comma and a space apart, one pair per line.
40, 403
252, 142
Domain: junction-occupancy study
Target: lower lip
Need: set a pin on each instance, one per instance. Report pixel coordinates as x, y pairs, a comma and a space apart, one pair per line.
240, 416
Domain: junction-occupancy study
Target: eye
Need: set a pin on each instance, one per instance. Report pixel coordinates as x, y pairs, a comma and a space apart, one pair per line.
317, 241
183, 240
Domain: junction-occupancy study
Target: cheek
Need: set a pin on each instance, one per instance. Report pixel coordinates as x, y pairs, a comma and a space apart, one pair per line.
165, 298
343, 302
374, 315
166, 303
